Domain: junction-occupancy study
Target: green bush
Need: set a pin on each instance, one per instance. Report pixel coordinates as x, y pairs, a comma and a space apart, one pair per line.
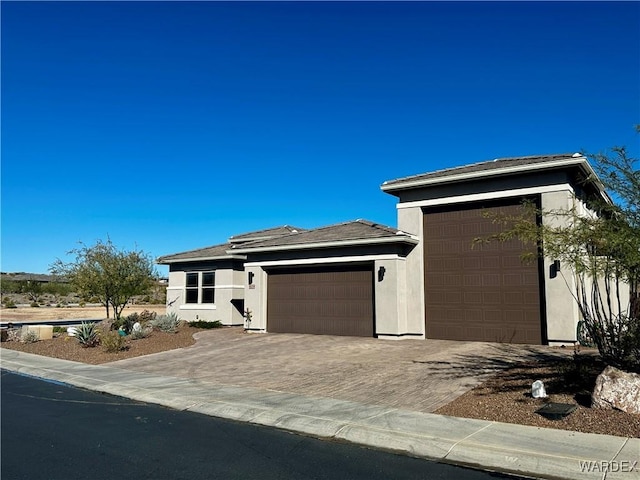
9, 303
205, 324
59, 329
113, 342
88, 334
126, 323
35, 304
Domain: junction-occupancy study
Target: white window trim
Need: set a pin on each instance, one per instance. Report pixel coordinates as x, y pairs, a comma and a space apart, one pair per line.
198, 306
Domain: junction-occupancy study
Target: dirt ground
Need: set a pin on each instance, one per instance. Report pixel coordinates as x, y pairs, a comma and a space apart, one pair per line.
506, 397
38, 314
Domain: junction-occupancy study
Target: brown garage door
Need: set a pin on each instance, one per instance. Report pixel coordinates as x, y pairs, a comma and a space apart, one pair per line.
324, 300
478, 292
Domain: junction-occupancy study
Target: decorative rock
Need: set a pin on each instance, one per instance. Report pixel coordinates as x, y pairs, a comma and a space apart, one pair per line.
537, 389
137, 327
617, 389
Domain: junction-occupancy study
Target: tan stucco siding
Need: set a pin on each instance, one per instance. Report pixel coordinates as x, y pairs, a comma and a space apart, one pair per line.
255, 299
222, 310
561, 308
410, 221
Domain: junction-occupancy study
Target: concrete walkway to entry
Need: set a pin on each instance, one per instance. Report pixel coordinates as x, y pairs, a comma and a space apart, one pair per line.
413, 374
365, 391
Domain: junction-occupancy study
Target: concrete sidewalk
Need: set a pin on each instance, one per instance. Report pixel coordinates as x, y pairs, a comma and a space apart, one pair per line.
524, 450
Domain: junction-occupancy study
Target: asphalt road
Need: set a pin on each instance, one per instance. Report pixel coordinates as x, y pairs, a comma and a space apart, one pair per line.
56, 432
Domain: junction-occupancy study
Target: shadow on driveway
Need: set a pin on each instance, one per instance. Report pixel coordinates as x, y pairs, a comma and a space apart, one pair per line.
420, 375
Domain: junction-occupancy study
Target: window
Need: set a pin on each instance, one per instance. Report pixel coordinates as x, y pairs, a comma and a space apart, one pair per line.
200, 287
192, 288
208, 287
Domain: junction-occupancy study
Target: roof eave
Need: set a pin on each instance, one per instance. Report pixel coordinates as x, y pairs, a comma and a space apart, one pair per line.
164, 261
400, 185
340, 243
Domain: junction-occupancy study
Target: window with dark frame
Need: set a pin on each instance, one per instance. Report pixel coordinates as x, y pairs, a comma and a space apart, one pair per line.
191, 288
208, 287
200, 287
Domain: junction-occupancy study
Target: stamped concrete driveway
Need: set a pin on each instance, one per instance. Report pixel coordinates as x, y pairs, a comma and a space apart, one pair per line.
420, 375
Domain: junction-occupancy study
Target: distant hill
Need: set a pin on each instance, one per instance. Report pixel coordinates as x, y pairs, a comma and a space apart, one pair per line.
38, 277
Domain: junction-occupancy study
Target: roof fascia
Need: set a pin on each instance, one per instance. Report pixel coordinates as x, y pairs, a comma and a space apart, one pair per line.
483, 173
160, 261
340, 243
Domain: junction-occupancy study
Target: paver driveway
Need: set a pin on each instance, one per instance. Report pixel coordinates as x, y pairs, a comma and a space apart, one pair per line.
410, 374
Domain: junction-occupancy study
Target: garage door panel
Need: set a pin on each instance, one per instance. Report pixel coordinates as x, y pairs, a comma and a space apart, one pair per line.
500, 298
328, 300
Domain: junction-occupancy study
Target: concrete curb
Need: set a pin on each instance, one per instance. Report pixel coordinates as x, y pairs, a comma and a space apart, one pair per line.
524, 450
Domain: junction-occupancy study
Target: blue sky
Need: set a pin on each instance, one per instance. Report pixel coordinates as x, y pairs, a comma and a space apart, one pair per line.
168, 126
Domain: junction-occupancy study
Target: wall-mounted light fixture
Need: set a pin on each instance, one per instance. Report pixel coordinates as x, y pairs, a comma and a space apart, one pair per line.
250, 278
554, 268
381, 271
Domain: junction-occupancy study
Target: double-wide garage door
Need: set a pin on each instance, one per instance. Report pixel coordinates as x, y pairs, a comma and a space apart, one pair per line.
478, 292
326, 300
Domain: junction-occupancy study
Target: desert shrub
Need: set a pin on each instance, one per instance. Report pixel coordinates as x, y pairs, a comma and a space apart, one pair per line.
126, 323
88, 334
166, 323
9, 303
4, 335
29, 336
205, 324
34, 304
113, 342
13, 334
143, 332
59, 329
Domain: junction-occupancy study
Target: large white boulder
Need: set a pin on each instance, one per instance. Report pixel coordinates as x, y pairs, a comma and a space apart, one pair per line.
617, 389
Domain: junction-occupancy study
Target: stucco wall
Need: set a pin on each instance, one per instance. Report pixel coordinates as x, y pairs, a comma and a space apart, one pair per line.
255, 299
561, 309
410, 221
563, 313
226, 309
391, 300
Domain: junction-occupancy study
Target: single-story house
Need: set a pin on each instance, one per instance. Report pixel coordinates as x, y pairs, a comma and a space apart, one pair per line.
424, 279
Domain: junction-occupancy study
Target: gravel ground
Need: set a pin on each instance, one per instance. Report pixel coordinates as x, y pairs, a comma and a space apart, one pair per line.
507, 398
68, 348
